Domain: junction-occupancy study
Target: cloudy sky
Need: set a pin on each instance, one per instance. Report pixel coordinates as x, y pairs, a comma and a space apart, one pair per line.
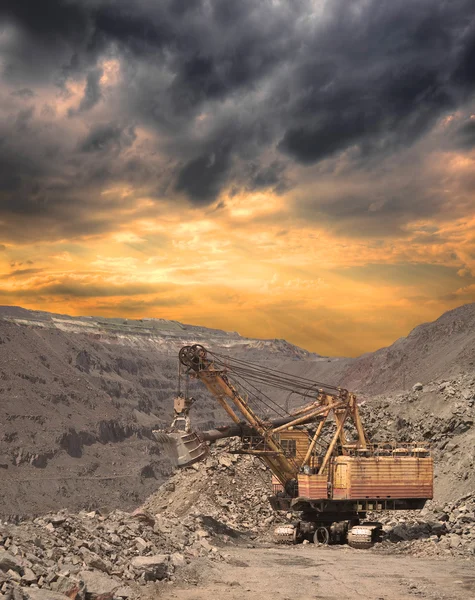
298, 169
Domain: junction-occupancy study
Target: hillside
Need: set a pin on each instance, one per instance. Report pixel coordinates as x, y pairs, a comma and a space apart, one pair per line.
442, 348
79, 397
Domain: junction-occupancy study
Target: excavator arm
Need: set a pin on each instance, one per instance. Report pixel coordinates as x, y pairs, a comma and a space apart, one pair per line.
264, 436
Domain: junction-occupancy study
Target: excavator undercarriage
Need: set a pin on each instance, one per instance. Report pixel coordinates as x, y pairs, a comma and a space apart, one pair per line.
324, 468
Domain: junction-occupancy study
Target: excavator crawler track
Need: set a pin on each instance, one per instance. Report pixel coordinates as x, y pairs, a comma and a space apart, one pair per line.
286, 534
364, 536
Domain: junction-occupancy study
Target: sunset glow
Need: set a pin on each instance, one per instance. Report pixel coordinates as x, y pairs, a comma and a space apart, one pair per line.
138, 183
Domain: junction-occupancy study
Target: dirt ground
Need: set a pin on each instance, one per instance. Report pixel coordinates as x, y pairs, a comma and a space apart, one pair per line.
325, 573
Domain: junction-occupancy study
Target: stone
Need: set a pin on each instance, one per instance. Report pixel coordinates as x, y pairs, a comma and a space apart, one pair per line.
399, 533
69, 587
37, 594
18, 594
454, 540
124, 592
202, 533
141, 544
94, 561
143, 516
225, 461
29, 576
417, 387
152, 567
8, 561
177, 560
14, 575
98, 584
57, 520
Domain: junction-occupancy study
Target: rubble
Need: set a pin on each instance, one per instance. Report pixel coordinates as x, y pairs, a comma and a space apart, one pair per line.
447, 530
92, 555
230, 492
88, 555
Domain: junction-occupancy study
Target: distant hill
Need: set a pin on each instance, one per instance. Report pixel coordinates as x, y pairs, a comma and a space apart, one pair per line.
442, 348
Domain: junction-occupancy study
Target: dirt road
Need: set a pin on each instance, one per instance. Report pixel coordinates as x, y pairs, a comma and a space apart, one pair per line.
325, 573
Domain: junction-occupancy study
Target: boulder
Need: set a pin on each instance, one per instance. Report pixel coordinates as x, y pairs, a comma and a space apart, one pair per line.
124, 592
29, 576
454, 540
152, 567
177, 560
72, 588
399, 533
98, 585
9, 562
94, 561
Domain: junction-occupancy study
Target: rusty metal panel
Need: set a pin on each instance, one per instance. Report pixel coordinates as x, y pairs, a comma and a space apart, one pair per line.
390, 477
373, 478
313, 486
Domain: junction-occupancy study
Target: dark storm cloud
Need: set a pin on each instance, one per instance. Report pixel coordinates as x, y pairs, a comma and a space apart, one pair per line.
104, 137
466, 135
203, 177
92, 93
24, 93
376, 75
221, 84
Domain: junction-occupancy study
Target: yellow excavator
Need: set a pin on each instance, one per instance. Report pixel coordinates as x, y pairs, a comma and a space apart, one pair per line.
324, 467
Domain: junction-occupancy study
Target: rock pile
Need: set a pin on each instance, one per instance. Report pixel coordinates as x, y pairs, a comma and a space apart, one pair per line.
435, 531
89, 555
230, 488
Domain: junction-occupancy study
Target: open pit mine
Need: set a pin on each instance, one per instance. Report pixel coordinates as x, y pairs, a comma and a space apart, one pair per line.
152, 459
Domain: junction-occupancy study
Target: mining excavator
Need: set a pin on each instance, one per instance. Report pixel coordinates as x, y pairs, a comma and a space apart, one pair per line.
324, 467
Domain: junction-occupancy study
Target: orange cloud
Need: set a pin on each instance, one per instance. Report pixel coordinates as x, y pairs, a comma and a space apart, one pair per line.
331, 294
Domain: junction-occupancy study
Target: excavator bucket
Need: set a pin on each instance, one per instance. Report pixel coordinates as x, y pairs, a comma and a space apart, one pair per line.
190, 448
187, 447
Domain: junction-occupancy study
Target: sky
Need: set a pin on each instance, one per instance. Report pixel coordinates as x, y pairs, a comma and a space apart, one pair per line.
297, 169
